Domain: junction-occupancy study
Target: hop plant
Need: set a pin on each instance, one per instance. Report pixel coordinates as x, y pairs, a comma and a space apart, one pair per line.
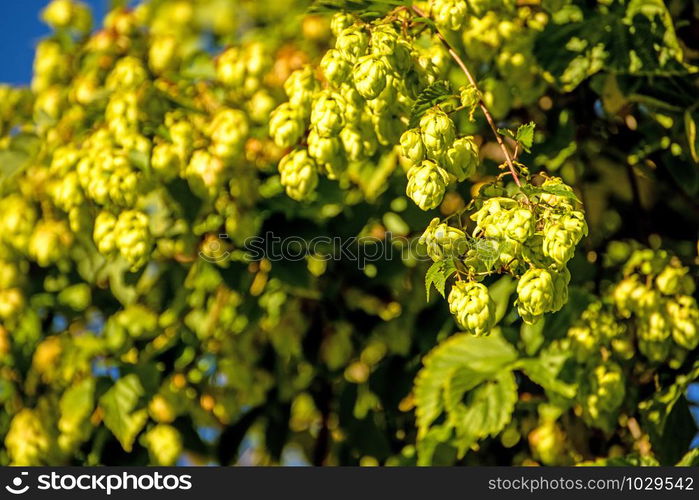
471, 305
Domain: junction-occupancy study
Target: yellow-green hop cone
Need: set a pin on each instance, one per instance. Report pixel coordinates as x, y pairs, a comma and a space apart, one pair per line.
300, 87
624, 294
574, 222
353, 143
654, 326
559, 243
352, 42
583, 342
132, 238
369, 76
533, 252
286, 125
298, 172
412, 147
229, 131
470, 99
438, 132
535, 294
27, 440
471, 305
50, 241
443, 241
449, 14
166, 161
103, 232
669, 281
340, 22
547, 442
327, 115
336, 68
230, 67
684, 320
427, 184
604, 394
323, 149
461, 159
520, 224
555, 200
164, 444
656, 351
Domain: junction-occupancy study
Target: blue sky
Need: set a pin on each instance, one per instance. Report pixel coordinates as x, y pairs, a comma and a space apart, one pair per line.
20, 29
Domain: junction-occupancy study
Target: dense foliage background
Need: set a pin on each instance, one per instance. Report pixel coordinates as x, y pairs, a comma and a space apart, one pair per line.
137, 328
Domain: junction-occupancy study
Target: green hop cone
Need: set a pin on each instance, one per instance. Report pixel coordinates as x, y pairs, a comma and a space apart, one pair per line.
669, 281
327, 115
535, 294
461, 159
28, 441
548, 443
133, 238
470, 99
449, 14
624, 294
520, 224
352, 42
471, 305
556, 200
298, 172
559, 243
604, 394
493, 216
286, 125
583, 342
335, 67
443, 241
103, 233
438, 132
300, 87
412, 147
229, 130
369, 76
164, 444
340, 22
684, 320
323, 149
427, 184
50, 241
353, 143
533, 252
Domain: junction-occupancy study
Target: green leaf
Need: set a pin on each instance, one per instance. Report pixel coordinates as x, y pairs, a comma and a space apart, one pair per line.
485, 411
639, 40
76, 406
462, 354
525, 136
437, 275
120, 408
544, 371
554, 189
691, 459
432, 95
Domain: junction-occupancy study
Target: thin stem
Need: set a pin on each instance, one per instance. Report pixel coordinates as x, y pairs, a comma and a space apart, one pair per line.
484, 108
